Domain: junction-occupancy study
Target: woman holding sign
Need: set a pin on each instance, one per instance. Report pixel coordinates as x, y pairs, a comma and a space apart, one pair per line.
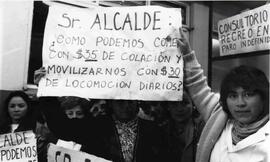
22, 117
237, 123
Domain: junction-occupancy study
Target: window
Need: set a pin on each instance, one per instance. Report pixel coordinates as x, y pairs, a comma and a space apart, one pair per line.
220, 65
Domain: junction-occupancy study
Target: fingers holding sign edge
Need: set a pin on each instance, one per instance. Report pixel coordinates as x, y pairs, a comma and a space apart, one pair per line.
38, 74
183, 43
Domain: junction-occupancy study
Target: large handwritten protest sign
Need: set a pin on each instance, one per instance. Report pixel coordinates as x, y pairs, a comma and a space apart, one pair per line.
246, 32
112, 53
57, 154
18, 147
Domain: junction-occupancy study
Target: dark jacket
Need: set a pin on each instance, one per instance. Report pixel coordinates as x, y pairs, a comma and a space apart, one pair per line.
29, 122
99, 136
182, 146
150, 142
82, 131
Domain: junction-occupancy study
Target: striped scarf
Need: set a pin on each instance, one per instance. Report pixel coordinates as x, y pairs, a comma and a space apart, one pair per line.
240, 131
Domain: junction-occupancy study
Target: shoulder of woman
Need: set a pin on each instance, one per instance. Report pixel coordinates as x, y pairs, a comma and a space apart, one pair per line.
5, 128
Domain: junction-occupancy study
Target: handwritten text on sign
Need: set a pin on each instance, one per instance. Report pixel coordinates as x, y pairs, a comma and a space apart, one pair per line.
18, 147
60, 154
246, 32
112, 53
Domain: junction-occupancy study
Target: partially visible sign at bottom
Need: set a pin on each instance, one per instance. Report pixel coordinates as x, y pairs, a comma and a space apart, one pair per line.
61, 154
18, 147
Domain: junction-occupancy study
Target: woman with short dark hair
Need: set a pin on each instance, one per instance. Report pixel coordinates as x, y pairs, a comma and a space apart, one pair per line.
237, 121
251, 79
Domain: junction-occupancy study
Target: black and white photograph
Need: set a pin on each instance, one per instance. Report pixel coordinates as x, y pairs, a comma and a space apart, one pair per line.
134, 81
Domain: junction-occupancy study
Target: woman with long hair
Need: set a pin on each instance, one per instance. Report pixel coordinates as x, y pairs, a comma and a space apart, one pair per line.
19, 113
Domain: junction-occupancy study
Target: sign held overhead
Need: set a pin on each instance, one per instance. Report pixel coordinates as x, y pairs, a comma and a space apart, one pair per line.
246, 32
112, 53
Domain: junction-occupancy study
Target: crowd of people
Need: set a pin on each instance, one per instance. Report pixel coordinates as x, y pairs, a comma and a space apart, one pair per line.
204, 126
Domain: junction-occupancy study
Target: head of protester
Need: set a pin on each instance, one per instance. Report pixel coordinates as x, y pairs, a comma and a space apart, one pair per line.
245, 98
154, 110
128, 137
74, 107
19, 113
98, 107
183, 128
123, 110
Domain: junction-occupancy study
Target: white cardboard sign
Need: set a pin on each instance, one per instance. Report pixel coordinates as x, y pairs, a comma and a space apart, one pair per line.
245, 32
61, 154
18, 147
112, 53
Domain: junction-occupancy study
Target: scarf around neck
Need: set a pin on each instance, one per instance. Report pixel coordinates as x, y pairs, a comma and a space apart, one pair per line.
241, 131
127, 135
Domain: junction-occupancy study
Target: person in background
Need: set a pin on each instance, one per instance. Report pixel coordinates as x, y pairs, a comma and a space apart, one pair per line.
153, 110
68, 120
183, 127
21, 116
98, 107
119, 135
144, 113
237, 121
74, 107
128, 138
73, 130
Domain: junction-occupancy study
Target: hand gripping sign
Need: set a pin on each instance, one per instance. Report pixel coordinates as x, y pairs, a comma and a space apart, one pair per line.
112, 53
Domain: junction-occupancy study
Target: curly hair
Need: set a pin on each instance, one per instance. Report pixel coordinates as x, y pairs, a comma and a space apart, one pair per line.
249, 78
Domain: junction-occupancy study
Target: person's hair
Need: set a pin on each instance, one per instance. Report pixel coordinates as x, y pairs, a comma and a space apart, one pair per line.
28, 121
249, 78
21, 94
70, 102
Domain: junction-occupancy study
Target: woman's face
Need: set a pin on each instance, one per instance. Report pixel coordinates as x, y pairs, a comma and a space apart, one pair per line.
17, 108
75, 113
245, 106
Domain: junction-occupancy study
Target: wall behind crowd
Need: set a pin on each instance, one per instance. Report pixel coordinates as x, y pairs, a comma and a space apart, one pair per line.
15, 31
